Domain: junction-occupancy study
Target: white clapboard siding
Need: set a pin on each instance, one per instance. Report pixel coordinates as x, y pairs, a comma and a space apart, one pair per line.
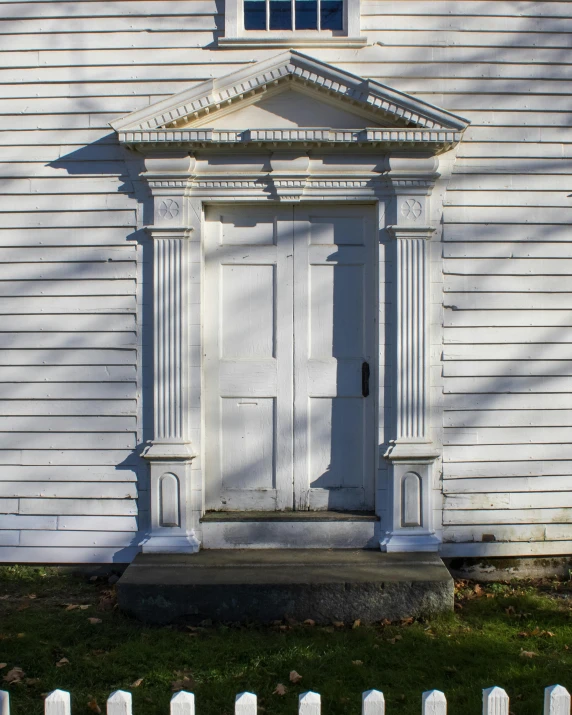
70, 376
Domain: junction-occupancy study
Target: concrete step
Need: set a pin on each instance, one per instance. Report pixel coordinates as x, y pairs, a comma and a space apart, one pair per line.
290, 529
263, 585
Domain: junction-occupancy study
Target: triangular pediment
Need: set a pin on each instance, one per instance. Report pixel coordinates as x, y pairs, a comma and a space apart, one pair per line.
324, 96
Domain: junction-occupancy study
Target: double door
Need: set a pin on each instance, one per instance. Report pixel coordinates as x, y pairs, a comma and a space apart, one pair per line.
289, 362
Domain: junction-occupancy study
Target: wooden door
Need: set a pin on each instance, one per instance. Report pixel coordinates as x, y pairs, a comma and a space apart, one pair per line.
248, 336
334, 357
289, 324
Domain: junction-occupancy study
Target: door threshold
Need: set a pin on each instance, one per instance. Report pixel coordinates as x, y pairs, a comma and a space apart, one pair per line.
290, 516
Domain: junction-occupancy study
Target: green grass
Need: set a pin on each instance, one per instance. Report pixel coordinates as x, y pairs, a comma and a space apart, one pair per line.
479, 646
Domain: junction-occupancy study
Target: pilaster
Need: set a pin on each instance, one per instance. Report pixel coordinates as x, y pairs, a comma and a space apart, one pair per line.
411, 451
170, 452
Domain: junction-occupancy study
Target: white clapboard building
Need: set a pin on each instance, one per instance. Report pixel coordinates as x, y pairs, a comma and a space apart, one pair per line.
285, 274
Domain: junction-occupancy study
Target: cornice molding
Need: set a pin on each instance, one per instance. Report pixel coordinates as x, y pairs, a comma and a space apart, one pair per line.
171, 121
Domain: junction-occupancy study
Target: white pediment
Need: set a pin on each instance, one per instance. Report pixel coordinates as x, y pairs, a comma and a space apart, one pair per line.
287, 109
288, 93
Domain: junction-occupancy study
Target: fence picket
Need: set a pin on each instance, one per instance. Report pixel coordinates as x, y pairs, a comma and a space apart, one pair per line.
495, 701
119, 703
4, 702
372, 703
57, 703
433, 702
183, 703
556, 701
245, 704
309, 703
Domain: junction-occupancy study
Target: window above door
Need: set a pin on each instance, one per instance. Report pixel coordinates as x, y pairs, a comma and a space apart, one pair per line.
292, 23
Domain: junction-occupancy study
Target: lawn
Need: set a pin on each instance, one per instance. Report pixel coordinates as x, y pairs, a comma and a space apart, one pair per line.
63, 631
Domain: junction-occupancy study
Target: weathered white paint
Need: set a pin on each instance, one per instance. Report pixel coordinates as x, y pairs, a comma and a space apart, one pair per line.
72, 348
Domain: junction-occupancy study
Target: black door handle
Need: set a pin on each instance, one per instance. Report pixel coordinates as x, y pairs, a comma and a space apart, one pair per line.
365, 379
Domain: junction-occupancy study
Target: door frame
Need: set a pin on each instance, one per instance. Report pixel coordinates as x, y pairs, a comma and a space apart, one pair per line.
300, 497
407, 493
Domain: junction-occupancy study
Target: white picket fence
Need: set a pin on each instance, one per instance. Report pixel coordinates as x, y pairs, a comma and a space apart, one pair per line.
433, 702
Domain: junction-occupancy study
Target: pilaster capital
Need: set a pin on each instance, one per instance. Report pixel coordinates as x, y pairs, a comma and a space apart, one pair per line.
158, 232
411, 231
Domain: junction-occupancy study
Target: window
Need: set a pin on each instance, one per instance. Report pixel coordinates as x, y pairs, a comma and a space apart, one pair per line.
292, 23
294, 15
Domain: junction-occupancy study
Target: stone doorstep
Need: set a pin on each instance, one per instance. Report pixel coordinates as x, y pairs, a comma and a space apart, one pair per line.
266, 585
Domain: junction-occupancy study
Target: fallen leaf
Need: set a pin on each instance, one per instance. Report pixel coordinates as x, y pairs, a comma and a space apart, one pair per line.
356, 623
31, 596
510, 611
20, 635
92, 705
528, 654
295, 677
14, 676
84, 607
71, 606
94, 621
386, 622
328, 629
185, 681
357, 662
4, 598
280, 690
535, 631
31, 681
137, 683
489, 595
3, 665
550, 634
309, 622
523, 634
407, 621
338, 624
478, 591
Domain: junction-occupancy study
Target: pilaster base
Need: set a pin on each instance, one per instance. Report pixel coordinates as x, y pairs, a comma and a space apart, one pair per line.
407, 543
179, 544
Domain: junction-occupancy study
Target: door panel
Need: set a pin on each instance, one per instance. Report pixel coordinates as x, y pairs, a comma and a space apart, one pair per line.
334, 309
247, 335
290, 308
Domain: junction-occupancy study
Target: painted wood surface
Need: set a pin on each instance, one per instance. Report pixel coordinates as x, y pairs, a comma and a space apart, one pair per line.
73, 267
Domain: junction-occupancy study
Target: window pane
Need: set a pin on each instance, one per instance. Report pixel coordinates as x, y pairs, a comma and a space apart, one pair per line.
306, 14
332, 15
255, 14
280, 14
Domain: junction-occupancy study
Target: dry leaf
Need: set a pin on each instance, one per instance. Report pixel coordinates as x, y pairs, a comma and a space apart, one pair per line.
3, 665
550, 634
71, 606
407, 621
62, 662
94, 621
295, 677
137, 683
280, 690
338, 624
14, 676
356, 623
4, 598
20, 635
309, 622
357, 662
528, 654
84, 607
92, 705
386, 622
31, 596
185, 681
478, 591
